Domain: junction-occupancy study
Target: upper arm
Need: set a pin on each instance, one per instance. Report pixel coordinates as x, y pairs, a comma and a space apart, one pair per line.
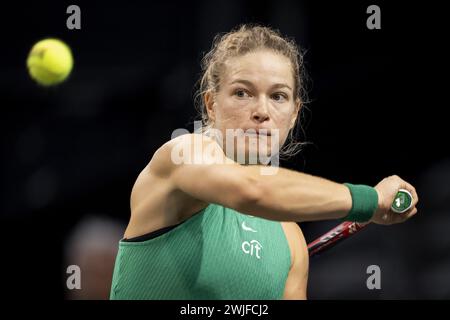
297, 281
196, 165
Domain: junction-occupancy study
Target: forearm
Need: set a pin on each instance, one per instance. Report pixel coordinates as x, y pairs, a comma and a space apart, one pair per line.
286, 195
293, 196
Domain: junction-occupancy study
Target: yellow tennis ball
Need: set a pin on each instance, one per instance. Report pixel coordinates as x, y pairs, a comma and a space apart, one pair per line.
50, 62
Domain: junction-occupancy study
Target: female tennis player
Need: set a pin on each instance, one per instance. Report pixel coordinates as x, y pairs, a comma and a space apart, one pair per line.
207, 222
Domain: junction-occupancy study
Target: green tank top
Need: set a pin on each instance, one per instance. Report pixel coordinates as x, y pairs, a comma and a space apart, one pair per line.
218, 253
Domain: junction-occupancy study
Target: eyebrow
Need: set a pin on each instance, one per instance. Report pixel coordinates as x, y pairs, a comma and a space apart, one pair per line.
250, 84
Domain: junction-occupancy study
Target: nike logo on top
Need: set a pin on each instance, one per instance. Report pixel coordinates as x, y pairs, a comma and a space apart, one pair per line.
247, 228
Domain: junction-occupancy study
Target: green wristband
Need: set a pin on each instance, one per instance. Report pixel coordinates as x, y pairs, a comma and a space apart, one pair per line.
364, 202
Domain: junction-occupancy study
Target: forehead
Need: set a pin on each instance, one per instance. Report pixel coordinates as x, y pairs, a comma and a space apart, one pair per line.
259, 66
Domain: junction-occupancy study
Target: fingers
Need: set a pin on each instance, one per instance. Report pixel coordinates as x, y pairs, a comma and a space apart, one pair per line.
412, 213
414, 194
398, 218
408, 214
389, 186
411, 189
402, 217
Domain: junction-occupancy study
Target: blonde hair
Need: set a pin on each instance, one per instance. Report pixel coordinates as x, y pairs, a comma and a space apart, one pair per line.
240, 41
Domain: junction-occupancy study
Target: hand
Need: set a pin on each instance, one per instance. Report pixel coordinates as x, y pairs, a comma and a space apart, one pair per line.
387, 190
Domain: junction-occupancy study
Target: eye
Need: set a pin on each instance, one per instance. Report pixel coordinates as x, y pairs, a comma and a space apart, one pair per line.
279, 96
241, 93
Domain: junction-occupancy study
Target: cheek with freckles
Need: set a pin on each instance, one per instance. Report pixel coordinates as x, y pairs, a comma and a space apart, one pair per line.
230, 115
282, 120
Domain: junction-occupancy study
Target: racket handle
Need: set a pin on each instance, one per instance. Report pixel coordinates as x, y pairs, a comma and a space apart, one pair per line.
402, 202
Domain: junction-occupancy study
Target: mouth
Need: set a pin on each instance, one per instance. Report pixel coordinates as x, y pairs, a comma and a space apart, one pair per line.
257, 132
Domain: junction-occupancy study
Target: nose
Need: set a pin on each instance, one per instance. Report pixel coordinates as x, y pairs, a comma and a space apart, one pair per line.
260, 114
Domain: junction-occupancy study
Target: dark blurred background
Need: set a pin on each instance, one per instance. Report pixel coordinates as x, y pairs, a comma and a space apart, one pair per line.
71, 153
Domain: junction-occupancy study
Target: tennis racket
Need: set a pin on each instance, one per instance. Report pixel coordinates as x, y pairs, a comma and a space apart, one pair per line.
402, 203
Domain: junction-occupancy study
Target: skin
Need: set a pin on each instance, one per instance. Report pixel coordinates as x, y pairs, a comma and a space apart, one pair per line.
249, 96
256, 92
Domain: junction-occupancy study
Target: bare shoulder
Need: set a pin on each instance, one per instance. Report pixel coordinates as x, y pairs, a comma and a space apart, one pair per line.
181, 150
155, 202
166, 157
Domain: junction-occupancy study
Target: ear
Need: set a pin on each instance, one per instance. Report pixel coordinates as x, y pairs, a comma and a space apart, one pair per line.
208, 99
298, 106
